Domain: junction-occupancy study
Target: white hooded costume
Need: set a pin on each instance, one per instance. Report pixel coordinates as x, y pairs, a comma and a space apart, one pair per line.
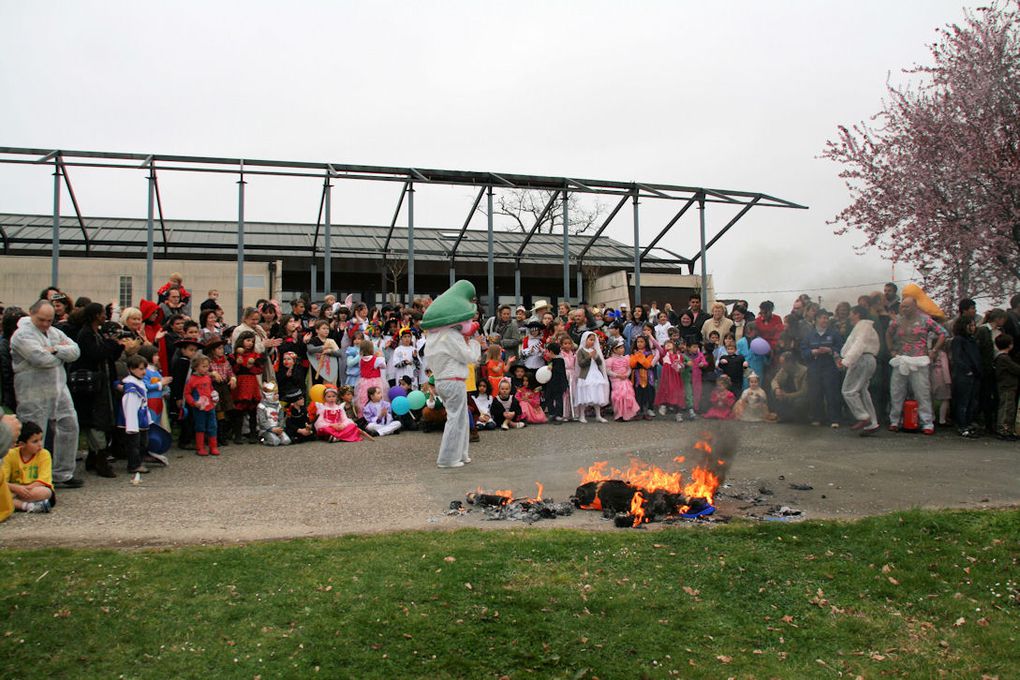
40, 382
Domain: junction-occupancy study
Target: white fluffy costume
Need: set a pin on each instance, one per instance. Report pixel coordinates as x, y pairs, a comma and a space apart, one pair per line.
449, 350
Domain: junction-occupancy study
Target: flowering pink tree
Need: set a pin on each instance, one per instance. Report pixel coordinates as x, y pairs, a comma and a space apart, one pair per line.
935, 177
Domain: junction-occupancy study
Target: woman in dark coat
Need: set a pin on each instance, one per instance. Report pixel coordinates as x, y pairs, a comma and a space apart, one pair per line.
965, 360
96, 414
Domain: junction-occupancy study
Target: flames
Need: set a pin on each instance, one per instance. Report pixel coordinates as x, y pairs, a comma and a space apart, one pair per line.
637, 508
702, 484
508, 494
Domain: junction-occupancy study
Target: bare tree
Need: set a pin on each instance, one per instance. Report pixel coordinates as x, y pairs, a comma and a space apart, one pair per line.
524, 207
394, 272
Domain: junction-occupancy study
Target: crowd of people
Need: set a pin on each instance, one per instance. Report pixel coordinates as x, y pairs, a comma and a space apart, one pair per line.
120, 383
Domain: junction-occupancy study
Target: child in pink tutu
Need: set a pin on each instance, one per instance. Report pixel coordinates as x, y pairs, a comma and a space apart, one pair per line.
625, 406
531, 402
670, 394
372, 365
722, 400
331, 421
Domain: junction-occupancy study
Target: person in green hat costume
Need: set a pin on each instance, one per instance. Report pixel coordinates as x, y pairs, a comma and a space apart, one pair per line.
450, 346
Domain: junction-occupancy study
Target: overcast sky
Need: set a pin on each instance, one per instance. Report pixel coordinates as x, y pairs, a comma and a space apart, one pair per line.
737, 95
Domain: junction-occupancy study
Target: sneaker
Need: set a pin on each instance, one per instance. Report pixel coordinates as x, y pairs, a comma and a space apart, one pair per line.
868, 431
582, 419
662, 410
834, 426
466, 459
860, 425
650, 413
691, 414
893, 427
679, 418
928, 431
601, 419
458, 464
38, 506
505, 427
72, 483
520, 424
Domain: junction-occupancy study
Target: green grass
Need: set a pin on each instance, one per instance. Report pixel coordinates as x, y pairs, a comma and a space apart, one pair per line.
906, 595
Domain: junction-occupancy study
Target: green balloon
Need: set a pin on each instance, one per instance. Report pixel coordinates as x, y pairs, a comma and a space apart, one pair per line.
417, 399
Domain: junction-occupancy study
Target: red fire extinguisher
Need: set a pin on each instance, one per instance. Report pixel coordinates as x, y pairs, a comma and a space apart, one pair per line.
911, 422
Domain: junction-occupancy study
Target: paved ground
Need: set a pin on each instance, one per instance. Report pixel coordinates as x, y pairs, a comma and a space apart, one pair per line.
254, 492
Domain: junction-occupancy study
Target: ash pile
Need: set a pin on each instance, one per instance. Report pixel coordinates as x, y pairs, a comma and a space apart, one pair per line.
503, 506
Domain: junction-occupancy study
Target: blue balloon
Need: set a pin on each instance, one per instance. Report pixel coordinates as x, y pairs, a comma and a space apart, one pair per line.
397, 392
400, 406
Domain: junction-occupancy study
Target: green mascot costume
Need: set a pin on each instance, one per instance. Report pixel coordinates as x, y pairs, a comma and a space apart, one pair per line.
449, 348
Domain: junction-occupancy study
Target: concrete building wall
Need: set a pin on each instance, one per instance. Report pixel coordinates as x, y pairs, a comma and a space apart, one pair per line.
618, 287
22, 277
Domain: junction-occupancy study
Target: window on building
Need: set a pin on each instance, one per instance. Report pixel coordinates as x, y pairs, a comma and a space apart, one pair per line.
125, 295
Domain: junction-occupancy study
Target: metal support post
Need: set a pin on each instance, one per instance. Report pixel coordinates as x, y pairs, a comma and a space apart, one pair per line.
580, 284
704, 266
517, 282
637, 253
566, 248
410, 243
327, 244
490, 264
453, 274
240, 244
313, 288
55, 246
149, 240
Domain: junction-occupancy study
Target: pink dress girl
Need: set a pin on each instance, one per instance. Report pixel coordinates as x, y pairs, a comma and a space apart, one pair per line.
625, 405
332, 423
671, 383
722, 400
696, 361
531, 404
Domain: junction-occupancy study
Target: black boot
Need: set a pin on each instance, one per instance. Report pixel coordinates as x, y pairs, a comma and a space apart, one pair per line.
90, 461
236, 420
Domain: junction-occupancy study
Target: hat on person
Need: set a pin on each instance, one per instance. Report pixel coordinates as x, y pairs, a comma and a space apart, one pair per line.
522, 308
623, 305
213, 342
535, 324
456, 305
148, 308
540, 304
185, 342
293, 394
331, 388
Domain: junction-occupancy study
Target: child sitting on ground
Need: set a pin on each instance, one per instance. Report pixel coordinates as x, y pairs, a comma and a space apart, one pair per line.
483, 404
530, 400
350, 408
201, 400
331, 421
296, 425
433, 415
271, 417
506, 410
753, 405
28, 470
378, 415
722, 400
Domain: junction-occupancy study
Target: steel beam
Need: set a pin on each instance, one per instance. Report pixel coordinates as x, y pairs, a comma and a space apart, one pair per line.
490, 267
327, 250
566, 246
538, 222
318, 220
580, 285
704, 268
637, 252
240, 243
471, 213
159, 211
396, 214
77, 210
55, 247
726, 228
410, 243
149, 238
517, 282
666, 229
595, 236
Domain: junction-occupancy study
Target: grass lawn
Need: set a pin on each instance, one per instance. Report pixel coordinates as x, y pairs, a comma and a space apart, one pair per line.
906, 595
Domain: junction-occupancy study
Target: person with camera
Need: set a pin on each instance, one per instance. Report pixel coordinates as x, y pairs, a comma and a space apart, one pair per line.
91, 383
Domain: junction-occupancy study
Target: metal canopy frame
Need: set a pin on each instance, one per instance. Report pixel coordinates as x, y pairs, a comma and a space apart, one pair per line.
486, 181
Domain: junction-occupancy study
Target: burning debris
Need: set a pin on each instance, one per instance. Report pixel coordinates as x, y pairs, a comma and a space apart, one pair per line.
645, 493
502, 505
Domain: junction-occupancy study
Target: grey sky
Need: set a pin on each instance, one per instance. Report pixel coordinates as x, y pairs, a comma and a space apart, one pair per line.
738, 95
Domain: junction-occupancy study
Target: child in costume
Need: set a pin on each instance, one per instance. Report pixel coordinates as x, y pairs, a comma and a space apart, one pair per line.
180, 371
449, 348
670, 394
483, 405
495, 368
506, 410
201, 400
693, 368
331, 421
372, 364
378, 415
753, 405
530, 400
134, 413
643, 358
271, 418
558, 387
296, 424
625, 406
248, 366
324, 354
722, 400
353, 366
404, 360
223, 382
567, 351
533, 347
291, 376
28, 471
592, 383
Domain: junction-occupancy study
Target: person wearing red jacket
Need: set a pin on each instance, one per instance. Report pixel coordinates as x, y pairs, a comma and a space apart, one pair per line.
769, 325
